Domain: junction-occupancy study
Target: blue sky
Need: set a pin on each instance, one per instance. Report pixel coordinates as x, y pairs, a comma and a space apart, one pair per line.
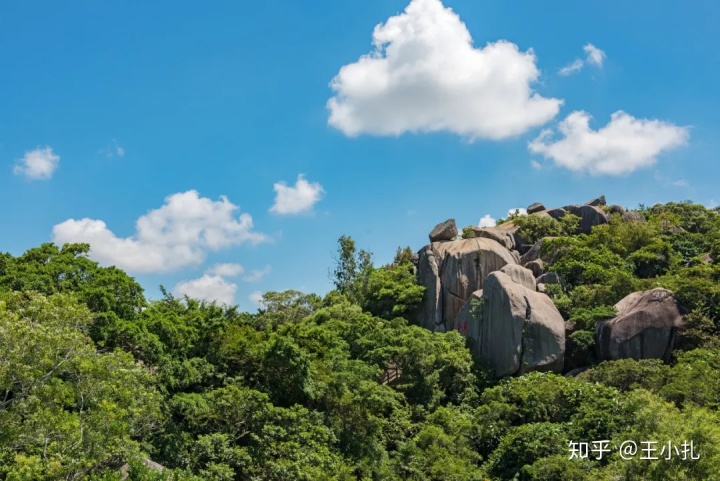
164, 133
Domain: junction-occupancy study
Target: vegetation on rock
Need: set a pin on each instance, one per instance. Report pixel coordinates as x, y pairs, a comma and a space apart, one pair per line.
343, 387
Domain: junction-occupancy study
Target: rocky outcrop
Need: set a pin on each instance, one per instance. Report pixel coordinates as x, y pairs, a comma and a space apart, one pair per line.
597, 202
505, 237
536, 207
520, 275
515, 329
556, 213
444, 231
644, 328
590, 216
514, 230
451, 272
617, 209
634, 216
551, 278
536, 253
537, 267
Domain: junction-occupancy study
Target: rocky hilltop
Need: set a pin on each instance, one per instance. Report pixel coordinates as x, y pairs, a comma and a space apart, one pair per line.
490, 284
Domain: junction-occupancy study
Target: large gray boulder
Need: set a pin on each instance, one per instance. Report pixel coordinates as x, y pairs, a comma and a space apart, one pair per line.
617, 209
515, 329
537, 267
590, 216
451, 272
536, 207
551, 278
645, 327
535, 252
514, 230
505, 237
634, 216
444, 231
556, 213
520, 275
597, 202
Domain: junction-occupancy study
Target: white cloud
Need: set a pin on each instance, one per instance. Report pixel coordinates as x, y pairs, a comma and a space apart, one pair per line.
487, 221
681, 183
517, 211
574, 67
595, 56
624, 145
225, 270
294, 200
178, 234
208, 288
535, 164
257, 274
256, 298
38, 164
424, 75
114, 150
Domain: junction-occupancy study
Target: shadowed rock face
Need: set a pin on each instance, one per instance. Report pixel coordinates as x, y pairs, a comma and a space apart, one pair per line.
515, 329
590, 216
444, 231
645, 327
536, 207
451, 272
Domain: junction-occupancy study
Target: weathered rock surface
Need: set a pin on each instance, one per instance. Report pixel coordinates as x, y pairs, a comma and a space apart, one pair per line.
505, 237
513, 230
590, 216
535, 253
520, 275
542, 213
645, 327
551, 278
444, 231
537, 267
598, 201
515, 329
536, 207
451, 272
617, 209
557, 213
634, 216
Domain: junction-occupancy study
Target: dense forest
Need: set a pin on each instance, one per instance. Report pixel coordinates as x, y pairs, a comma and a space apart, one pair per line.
99, 383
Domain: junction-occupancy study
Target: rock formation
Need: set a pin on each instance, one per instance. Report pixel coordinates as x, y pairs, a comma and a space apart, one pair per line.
444, 231
515, 329
536, 207
451, 272
644, 328
590, 216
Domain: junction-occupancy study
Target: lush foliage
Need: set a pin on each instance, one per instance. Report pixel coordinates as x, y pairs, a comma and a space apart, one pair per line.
95, 380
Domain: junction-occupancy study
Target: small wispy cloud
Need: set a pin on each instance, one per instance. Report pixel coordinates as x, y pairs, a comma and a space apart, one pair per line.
113, 150
681, 183
594, 56
38, 164
257, 275
225, 270
535, 164
574, 67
